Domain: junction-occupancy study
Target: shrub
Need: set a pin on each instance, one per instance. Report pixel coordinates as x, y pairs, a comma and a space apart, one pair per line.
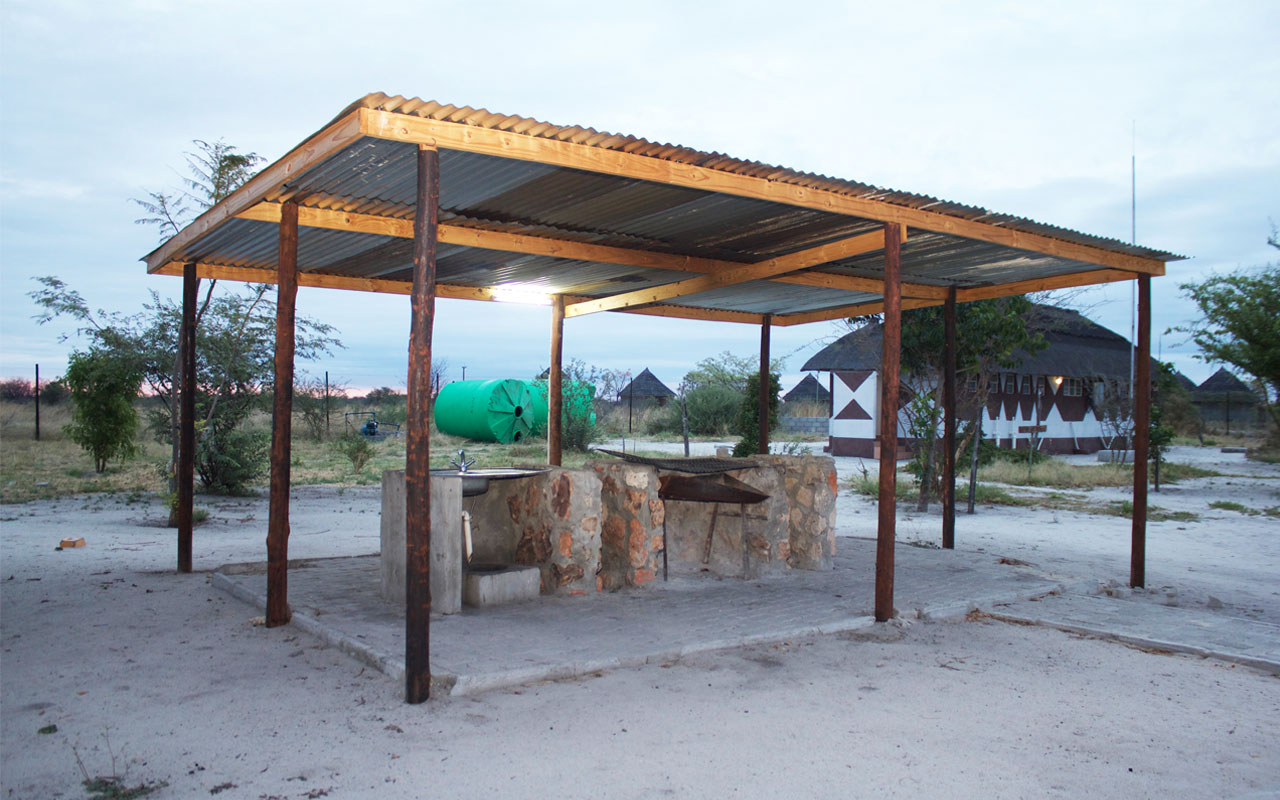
748, 420
229, 460
712, 410
104, 421
356, 448
15, 389
53, 393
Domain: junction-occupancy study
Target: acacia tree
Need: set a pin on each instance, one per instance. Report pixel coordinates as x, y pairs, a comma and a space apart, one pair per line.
215, 170
988, 332
1240, 325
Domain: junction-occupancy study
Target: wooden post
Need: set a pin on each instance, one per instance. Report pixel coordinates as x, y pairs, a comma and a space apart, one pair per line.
187, 416
326, 401
889, 357
765, 385
282, 422
1141, 436
555, 378
417, 595
37, 401
949, 423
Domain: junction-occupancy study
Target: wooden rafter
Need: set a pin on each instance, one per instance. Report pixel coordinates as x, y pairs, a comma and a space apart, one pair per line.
524, 147
841, 312
332, 139
766, 269
558, 248
1070, 280
446, 290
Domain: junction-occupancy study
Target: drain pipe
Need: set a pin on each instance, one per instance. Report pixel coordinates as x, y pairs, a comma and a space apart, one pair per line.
466, 538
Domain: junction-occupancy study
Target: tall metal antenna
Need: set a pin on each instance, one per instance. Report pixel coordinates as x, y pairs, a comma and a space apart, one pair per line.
1133, 239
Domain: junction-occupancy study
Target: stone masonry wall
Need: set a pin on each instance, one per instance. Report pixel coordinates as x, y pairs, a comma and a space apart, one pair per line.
601, 528
810, 483
551, 521
793, 529
631, 513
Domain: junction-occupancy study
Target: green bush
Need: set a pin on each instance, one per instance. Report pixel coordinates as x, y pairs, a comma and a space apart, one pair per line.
53, 393
104, 421
355, 448
229, 460
748, 420
712, 410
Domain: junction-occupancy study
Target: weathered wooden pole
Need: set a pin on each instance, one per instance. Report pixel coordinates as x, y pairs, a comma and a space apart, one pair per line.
186, 465
555, 378
36, 387
282, 421
949, 422
1141, 436
890, 354
417, 473
765, 385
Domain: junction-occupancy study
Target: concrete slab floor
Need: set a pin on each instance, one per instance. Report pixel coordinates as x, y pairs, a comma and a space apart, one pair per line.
337, 599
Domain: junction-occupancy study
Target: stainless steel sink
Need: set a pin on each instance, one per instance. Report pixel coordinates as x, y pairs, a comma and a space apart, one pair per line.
476, 481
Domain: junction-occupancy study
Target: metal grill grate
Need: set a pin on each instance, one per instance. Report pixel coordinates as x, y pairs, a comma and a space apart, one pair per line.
694, 466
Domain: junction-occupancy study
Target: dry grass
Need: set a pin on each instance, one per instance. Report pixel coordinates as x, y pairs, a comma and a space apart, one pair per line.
1061, 475
55, 466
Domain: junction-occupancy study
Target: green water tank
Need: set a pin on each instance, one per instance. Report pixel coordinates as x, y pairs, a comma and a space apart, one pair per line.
488, 411
578, 400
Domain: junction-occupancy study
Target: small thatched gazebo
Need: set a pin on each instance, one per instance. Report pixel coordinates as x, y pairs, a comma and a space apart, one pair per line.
809, 390
644, 390
1225, 398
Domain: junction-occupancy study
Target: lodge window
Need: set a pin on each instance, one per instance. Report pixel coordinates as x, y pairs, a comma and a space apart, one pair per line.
993, 384
1011, 384
971, 384
1026, 384
1072, 387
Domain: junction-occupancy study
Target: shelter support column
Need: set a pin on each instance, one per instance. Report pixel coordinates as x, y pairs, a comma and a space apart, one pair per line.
949, 422
889, 359
765, 385
186, 465
555, 382
417, 473
282, 421
1141, 435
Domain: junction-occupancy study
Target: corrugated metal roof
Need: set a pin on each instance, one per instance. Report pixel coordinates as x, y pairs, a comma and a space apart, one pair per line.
577, 134
378, 177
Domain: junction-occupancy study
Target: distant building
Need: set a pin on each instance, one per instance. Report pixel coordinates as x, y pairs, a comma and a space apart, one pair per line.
808, 390
1225, 398
645, 389
1063, 387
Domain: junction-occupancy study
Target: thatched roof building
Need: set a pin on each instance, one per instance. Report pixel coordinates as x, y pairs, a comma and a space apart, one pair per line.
809, 390
1076, 347
645, 387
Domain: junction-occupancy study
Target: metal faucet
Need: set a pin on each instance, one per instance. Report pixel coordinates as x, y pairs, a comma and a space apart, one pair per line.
461, 463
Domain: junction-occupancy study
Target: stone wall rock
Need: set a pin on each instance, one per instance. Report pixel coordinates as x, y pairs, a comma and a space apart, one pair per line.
550, 520
631, 542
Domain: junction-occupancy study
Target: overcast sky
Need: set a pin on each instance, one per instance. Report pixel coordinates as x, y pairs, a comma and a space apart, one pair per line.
1024, 108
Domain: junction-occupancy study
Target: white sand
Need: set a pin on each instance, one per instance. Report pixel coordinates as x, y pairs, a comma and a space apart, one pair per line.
111, 646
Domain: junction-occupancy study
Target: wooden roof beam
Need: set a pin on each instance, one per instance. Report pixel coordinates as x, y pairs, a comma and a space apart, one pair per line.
558, 248
740, 274
445, 290
1068, 281
317, 148
842, 312
524, 147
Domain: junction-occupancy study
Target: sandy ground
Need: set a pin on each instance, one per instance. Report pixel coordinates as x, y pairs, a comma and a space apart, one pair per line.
125, 657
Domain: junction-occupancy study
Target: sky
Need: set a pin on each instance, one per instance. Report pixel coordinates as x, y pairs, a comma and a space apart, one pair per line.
1033, 109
